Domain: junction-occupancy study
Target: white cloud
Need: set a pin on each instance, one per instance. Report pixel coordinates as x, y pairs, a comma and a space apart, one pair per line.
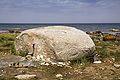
108, 3
60, 10
41, 3
57, 3
68, 3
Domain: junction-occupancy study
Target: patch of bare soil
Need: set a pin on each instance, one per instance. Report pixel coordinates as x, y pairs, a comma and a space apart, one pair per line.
103, 71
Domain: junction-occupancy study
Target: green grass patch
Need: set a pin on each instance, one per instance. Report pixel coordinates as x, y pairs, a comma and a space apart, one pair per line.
13, 51
104, 53
7, 42
116, 55
113, 48
7, 37
4, 50
82, 60
23, 53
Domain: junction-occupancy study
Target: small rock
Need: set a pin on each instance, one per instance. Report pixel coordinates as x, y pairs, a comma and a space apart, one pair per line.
53, 63
96, 59
113, 59
47, 64
89, 33
97, 62
59, 75
33, 57
117, 65
38, 57
61, 63
22, 59
81, 72
17, 32
26, 76
97, 32
28, 57
30, 53
106, 34
43, 63
10, 31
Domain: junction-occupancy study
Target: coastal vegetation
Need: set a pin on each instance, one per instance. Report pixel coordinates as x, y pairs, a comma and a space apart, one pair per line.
107, 51
7, 43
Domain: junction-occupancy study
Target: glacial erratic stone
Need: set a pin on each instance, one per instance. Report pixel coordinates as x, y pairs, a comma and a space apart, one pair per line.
55, 43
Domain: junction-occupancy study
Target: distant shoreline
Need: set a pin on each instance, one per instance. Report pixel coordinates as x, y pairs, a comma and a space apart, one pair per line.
6, 31
87, 27
55, 23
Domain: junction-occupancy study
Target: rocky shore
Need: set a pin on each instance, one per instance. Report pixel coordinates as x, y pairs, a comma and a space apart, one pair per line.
107, 52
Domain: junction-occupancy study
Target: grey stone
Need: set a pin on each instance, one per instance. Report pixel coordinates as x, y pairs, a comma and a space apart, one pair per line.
117, 65
55, 43
8, 60
59, 75
17, 61
97, 59
25, 76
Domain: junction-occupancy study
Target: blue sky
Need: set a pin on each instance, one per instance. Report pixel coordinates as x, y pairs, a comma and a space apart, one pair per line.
60, 11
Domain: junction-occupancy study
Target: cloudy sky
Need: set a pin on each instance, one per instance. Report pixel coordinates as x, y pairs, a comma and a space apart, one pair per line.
60, 11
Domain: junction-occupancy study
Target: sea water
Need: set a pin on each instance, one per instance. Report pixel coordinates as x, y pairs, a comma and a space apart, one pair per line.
87, 27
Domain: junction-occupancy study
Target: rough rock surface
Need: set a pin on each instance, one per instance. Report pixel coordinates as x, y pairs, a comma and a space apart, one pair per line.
55, 43
26, 76
10, 61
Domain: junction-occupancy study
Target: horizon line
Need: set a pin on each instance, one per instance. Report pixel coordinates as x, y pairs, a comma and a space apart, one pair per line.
59, 23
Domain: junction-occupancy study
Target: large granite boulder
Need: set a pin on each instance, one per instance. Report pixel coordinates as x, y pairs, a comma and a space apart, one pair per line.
55, 43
